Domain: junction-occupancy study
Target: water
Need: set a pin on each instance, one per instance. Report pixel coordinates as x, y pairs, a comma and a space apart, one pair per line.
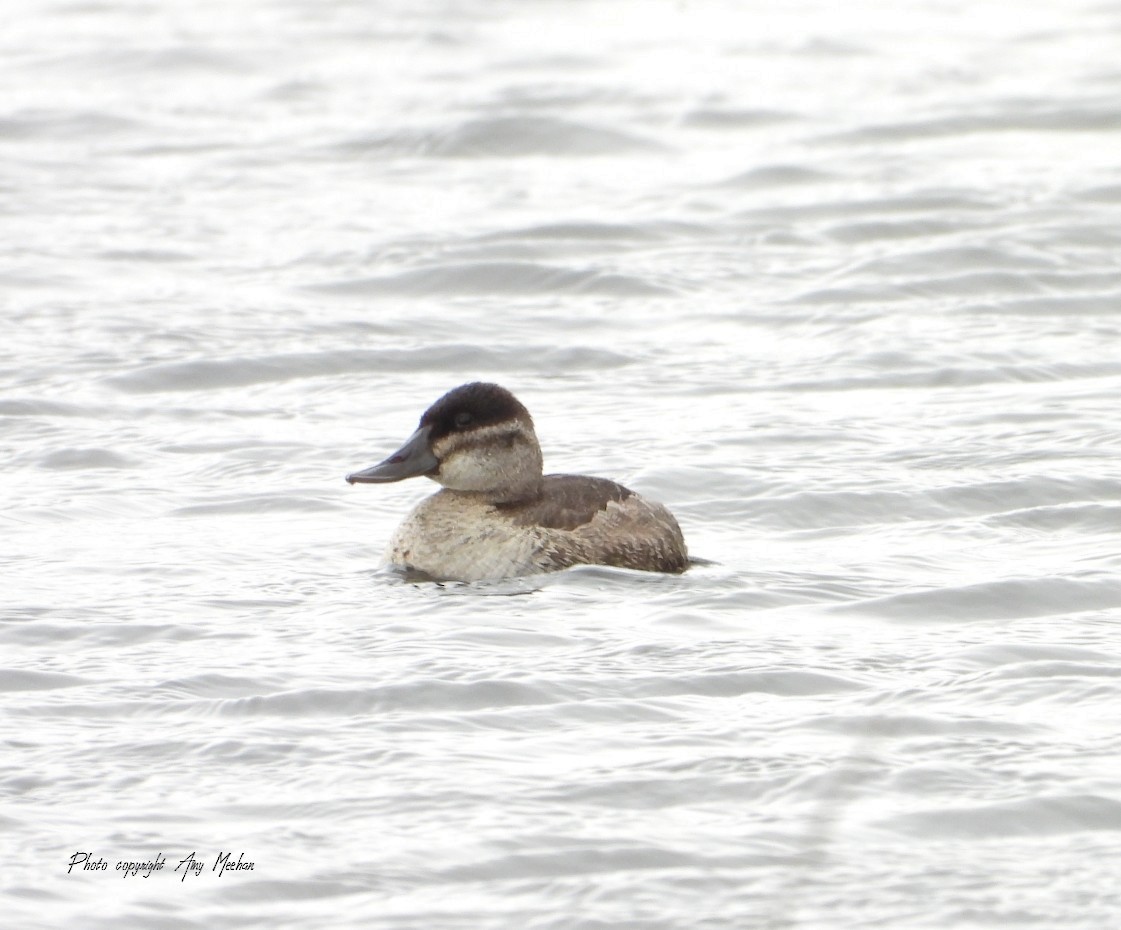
841, 286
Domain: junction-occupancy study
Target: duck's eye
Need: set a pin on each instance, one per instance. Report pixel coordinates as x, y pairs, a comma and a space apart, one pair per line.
462, 419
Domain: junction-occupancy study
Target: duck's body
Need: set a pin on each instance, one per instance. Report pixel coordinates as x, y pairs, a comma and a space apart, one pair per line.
498, 516
576, 520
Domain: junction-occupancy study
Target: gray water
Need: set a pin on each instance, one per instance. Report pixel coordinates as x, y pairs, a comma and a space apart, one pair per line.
840, 285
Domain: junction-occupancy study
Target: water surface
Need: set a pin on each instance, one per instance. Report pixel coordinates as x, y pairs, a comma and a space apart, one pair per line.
840, 286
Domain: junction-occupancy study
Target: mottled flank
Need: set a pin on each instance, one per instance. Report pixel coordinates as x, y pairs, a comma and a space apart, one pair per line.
498, 517
568, 502
601, 522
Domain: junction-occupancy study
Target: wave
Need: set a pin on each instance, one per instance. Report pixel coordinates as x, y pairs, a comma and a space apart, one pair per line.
503, 137
509, 278
1005, 599
1009, 117
210, 374
1037, 816
19, 679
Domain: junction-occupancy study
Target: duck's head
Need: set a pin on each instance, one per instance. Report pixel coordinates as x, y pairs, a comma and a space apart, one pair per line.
477, 438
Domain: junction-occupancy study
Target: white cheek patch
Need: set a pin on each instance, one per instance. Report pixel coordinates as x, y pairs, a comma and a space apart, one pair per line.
466, 470
484, 458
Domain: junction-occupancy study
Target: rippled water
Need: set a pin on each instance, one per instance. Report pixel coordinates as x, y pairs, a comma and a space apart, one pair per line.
839, 285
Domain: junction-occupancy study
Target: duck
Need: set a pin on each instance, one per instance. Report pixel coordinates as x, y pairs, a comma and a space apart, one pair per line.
497, 516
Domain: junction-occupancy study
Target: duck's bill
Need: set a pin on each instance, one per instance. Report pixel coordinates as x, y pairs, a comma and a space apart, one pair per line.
413, 459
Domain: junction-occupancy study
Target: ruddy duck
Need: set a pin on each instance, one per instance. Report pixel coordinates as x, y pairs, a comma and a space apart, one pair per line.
497, 516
